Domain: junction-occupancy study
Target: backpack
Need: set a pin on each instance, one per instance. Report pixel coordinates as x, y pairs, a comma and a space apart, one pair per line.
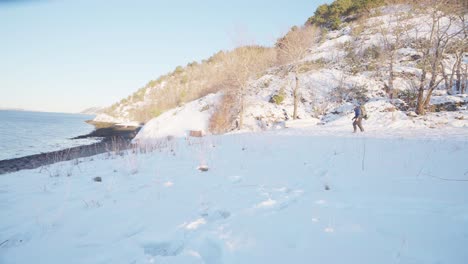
364, 112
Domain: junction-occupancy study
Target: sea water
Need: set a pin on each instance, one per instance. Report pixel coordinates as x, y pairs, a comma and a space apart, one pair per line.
25, 133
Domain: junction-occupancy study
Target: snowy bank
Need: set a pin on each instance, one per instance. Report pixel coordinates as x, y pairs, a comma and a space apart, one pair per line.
105, 118
178, 121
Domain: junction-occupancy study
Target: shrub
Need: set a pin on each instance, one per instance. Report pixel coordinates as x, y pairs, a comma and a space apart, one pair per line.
355, 93
409, 97
311, 65
359, 93
178, 70
223, 118
277, 98
329, 16
155, 112
265, 83
373, 52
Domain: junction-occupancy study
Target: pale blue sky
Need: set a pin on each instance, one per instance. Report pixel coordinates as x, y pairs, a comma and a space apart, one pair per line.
67, 55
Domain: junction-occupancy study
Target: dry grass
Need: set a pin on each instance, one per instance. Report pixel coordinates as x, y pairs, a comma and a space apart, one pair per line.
223, 118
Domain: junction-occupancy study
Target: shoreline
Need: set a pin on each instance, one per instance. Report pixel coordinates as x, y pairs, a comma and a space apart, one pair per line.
112, 136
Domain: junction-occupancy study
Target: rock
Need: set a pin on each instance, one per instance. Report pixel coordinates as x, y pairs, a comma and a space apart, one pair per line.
203, 168
97, 179
196, 133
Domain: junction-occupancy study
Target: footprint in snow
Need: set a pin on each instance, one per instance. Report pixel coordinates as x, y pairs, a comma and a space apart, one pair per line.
206, 218
164, 249
216, 215
235, 179
266, 204
321, 202
208, 250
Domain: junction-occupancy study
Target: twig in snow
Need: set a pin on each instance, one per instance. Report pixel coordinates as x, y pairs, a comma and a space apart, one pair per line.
444, 179
4, 242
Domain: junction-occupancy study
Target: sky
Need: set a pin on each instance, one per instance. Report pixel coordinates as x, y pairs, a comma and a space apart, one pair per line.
67, 55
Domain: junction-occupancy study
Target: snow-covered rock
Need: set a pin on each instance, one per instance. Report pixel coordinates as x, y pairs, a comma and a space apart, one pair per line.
105, 118
129, 124
177, 122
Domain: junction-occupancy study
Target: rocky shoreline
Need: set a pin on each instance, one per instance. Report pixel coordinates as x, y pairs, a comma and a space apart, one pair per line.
112, 136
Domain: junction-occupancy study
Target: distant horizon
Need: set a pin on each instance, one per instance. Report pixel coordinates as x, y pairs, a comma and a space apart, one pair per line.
40, 111
66, 56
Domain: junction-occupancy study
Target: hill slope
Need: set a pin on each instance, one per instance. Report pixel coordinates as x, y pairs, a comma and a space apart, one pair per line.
377, 59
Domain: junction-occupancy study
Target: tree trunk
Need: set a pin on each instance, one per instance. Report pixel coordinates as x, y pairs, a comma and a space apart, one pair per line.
432, 85
446, 80
451, 78
296, 97
241, 110
465, 80
420, 99
391, 77
458, 72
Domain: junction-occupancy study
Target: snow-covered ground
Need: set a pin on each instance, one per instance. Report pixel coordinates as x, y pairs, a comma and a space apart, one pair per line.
305, 191
285, 196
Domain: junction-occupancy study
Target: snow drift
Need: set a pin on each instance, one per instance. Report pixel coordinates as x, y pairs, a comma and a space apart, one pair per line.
177, 122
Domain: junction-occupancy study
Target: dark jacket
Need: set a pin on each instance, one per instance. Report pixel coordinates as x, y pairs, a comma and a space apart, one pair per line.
357, 112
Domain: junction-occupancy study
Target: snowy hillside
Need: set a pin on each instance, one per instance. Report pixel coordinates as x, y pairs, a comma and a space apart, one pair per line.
334, 80
289, 197
349, 65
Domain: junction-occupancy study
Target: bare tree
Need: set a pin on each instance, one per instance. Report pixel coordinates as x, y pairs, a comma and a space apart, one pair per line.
432, 46
293, 47
392, 38
458, 47
244, 63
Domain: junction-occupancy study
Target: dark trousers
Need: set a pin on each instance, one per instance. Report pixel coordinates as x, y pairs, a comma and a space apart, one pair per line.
358, 122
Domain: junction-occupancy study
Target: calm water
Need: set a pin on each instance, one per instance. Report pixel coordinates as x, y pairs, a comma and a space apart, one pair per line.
24, 133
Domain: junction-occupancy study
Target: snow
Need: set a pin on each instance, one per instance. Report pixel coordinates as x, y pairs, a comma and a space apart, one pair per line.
291, 195
302, 123
178, 121
129, 124
449, 99
105, 118
303, 191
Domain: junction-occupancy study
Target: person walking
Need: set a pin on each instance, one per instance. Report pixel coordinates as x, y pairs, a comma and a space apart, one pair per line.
358, 115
